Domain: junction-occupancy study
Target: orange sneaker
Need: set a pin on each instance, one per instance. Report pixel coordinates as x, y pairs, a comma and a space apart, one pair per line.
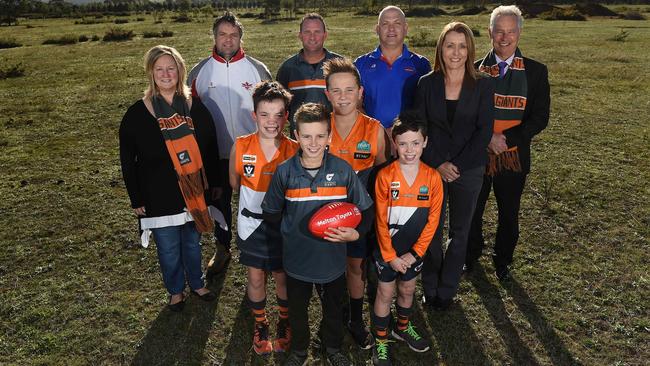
283, 336
261, 343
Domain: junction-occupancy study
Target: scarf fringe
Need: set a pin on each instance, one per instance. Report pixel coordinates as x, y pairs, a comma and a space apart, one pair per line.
193, 185
202, 220
507, 160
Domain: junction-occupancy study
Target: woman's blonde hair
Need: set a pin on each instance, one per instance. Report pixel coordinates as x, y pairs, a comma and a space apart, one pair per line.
150, 59
462, 28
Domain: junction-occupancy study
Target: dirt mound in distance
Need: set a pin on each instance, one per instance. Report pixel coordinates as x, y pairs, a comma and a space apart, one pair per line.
533, 10
594, 10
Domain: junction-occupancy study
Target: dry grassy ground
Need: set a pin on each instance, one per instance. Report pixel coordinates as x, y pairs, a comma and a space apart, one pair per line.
76, 290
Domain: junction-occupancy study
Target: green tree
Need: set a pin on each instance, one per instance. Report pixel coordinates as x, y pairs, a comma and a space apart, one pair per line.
10, 10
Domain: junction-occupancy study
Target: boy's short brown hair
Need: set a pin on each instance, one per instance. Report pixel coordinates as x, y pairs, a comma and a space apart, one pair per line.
338, 65
269, 91
408, 122
310, 113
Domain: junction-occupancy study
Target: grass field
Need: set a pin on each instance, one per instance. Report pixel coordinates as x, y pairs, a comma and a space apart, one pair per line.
76, 288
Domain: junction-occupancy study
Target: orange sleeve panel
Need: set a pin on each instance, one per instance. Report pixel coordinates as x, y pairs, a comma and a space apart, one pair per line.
435, 182
382, 190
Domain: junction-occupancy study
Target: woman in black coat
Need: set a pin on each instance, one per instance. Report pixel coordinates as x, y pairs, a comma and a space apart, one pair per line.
168, 152
457, 104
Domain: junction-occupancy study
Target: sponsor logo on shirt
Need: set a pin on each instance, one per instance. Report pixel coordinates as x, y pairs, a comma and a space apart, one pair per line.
183, 157
249, 158
409, 69
394, 184
424, 190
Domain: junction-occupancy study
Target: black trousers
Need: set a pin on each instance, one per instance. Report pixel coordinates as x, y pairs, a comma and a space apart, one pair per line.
508, 187
331, 298
224, 236
442, 271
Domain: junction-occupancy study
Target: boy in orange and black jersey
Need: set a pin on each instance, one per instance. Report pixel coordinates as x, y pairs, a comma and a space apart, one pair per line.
361, 141
253, 160
408, 199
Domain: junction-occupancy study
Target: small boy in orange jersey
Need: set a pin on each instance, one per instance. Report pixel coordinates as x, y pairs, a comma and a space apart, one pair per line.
361, 141
408, 200
253, 160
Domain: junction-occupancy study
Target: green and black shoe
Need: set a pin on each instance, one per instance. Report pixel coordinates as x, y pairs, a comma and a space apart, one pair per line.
411, 337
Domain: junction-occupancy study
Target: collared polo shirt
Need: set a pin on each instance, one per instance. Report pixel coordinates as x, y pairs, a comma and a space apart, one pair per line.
389, 88
297, 195
304, 80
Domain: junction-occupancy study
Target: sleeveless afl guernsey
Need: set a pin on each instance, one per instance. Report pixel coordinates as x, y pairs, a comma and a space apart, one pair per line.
254, 236
359, 148
407, 216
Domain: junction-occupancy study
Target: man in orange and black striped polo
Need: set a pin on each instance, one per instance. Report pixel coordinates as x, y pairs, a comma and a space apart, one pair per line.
302, 73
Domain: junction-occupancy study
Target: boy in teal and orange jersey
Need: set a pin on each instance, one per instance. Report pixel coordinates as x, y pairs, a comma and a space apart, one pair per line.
301, 186
408, 200
253, 160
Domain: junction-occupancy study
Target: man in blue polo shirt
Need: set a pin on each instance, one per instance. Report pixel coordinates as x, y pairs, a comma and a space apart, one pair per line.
390, 73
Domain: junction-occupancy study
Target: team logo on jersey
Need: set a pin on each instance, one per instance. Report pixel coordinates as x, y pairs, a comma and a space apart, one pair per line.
329, 177
246, 85
394, 184
424, 190
394, 193
372, 66
363, 150
249, 158
249, 170
363, 145
184, 157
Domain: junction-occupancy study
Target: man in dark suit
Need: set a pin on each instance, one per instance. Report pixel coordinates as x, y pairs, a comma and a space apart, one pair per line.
522, 102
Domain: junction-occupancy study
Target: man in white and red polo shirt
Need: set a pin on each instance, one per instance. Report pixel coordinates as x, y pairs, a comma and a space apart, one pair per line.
224, 82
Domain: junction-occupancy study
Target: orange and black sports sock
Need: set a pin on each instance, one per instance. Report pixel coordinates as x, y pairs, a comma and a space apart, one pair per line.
403, 315
283, 308
380, 325
259, 311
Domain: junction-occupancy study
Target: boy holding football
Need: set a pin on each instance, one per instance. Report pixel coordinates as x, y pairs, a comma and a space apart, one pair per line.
361, 141
299, 187
253, 160
408, 199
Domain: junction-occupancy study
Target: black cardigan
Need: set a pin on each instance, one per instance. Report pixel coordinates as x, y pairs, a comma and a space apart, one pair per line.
148, 170
536, 114
464, 142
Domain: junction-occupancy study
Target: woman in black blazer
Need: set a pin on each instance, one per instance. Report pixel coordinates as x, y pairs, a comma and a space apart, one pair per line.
457, 104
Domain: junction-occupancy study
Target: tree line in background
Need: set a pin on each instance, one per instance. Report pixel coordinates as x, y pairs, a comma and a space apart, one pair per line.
13, 9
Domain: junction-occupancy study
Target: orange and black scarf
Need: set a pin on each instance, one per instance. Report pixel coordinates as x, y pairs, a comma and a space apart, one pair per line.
178, 131
509, 105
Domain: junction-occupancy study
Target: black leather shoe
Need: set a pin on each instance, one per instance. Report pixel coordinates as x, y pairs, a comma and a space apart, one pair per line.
177, 307
427, 300
208, 296
219, 262
441, 305
502, 272
469, 267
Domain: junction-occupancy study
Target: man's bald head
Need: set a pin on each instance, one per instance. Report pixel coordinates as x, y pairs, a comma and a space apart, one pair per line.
391, 28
